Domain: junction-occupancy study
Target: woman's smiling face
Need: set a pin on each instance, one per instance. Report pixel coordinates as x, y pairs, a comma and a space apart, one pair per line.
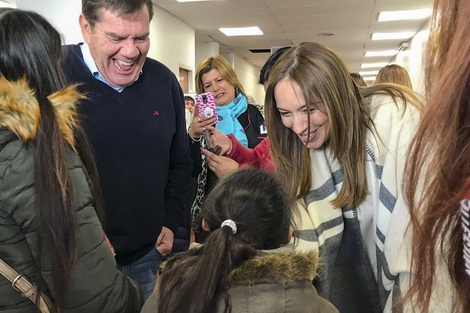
223, 91
294, 113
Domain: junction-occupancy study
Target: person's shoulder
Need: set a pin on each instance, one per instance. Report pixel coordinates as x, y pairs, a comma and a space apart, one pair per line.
159, 67
397, 106
72, 51
385, 105
72, 47
378, 101
253, 109
12, 146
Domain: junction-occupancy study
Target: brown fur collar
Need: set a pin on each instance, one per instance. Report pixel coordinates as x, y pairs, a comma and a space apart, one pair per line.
19, 109
277, 267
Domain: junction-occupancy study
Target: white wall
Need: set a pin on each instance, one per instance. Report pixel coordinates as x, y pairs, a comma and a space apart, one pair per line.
204, 51
248, 75
63, 14
230, 58
413, 59
172, 42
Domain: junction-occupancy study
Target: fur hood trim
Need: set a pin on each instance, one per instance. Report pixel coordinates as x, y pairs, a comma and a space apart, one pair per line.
277, 267
20, 113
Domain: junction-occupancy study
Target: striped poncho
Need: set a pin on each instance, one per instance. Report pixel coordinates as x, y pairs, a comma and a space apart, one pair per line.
364, 258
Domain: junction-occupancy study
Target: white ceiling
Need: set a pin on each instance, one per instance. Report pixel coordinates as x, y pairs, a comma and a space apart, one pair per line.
289, 22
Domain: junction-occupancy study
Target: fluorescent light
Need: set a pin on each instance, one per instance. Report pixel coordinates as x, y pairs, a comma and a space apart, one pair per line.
401, 35
385, 53
4, 4
372, 65
368, 73
242, 31
404, 15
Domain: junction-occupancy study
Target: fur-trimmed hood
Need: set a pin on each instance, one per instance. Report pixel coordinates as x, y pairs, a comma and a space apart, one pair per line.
280, 265
20, 112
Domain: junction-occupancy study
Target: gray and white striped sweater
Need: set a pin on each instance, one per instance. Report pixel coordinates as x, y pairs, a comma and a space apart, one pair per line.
364, 258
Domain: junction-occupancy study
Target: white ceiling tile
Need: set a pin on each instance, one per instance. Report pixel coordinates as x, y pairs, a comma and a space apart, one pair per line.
301, 3
327, 10
286, 22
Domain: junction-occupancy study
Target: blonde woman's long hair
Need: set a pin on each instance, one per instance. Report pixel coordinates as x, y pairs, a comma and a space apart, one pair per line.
226, 71
394, 74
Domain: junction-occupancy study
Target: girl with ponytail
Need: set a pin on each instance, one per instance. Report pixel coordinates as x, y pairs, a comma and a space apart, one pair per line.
249, 218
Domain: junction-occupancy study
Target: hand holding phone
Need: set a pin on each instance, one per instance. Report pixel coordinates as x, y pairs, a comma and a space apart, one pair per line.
207, 143
206, 106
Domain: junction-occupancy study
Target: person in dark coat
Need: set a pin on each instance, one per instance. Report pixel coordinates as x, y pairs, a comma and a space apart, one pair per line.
50, 200
134, 118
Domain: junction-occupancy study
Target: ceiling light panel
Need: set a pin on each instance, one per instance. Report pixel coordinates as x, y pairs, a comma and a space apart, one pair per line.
387, 36
385, 53
242, 31
404, 15
4, 4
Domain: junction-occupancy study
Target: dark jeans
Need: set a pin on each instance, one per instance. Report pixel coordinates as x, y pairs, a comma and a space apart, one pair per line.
144, 271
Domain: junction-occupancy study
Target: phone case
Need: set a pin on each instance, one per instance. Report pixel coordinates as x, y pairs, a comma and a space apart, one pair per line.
206, 106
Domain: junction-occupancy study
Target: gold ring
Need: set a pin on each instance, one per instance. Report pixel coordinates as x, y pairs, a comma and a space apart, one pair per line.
199, 120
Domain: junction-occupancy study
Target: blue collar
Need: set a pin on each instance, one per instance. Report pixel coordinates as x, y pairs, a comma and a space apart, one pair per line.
90, 63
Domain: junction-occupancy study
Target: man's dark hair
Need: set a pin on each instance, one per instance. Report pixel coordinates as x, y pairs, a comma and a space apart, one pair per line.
264, 73
90, 8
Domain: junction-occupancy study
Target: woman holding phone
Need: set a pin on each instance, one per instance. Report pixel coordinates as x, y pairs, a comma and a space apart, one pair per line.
236, 117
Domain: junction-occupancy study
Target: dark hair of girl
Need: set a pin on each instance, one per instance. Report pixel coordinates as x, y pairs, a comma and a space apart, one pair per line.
31, 48
262, 212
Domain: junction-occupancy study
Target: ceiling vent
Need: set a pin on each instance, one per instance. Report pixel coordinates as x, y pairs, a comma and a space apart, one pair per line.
260, 50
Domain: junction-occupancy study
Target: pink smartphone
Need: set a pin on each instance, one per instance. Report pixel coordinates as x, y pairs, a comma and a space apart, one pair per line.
206, 106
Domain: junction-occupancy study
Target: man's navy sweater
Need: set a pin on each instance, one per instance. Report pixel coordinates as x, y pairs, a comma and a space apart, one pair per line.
141, 147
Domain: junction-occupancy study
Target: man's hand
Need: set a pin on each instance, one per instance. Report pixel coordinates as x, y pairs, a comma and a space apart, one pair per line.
220, 165
165, 241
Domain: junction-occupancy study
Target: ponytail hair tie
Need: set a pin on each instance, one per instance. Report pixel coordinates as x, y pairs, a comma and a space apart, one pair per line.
230, 224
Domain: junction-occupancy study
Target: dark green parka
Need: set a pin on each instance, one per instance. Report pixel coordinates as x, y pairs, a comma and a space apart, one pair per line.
96, 285
276, 281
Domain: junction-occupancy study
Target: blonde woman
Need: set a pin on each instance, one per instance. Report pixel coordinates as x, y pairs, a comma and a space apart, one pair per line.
395, 74
237, 117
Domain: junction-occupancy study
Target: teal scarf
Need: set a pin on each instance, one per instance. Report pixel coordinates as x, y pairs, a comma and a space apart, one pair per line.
228, 114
